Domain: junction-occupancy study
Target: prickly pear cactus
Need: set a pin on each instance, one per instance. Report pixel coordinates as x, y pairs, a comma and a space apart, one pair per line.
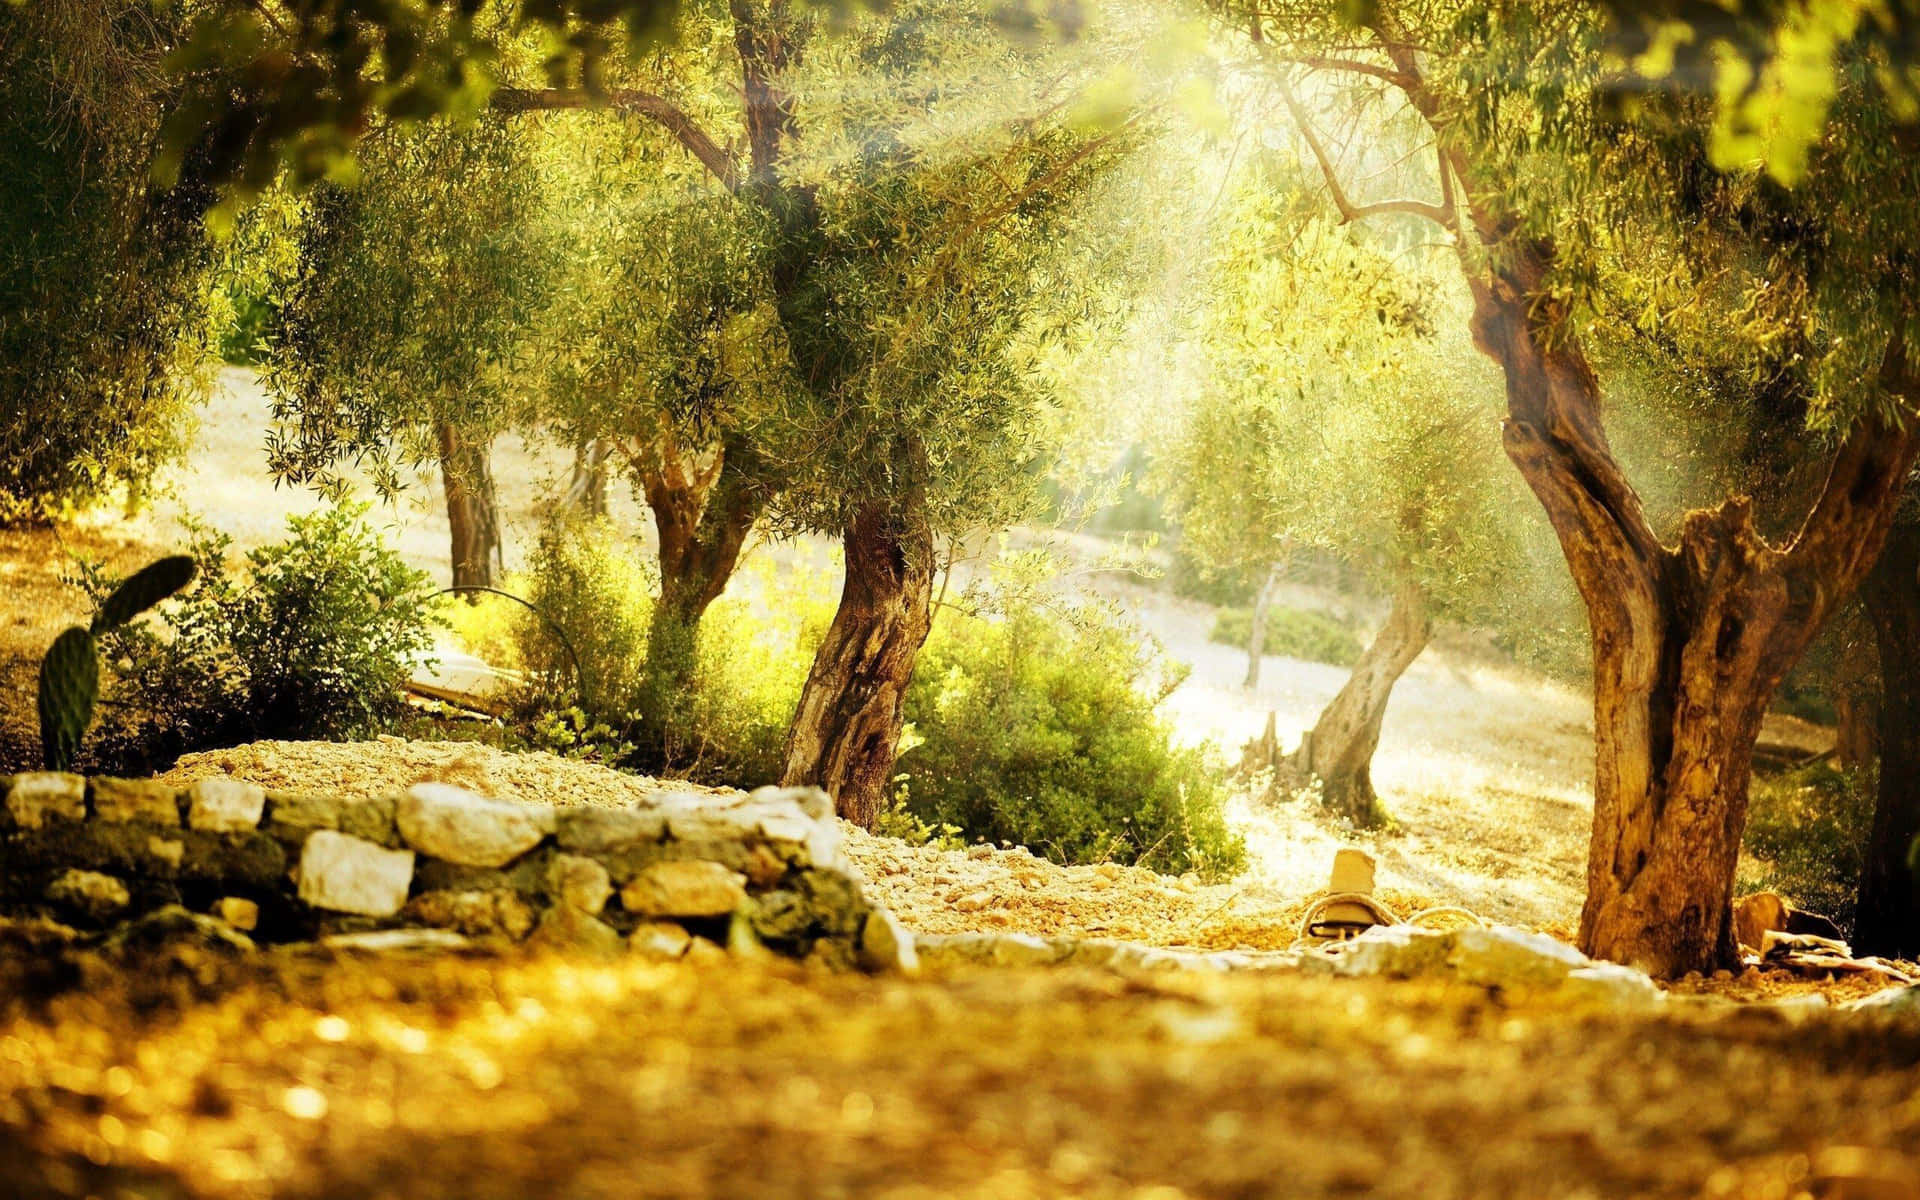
69, 685
70, 673
142, 590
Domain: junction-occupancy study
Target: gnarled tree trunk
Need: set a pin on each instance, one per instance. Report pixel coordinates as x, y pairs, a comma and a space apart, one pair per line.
1257, 635
466, 477
1689, 641
1339, 749
702, 512
1887, 919
846, 730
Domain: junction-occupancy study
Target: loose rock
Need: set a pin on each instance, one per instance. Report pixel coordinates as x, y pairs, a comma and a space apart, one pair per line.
886, 945
41, 796
688, 888
452, 823
240, 913
659, 939
98, 896
578, 881
566, 928
347, 874
123, 800
225, 805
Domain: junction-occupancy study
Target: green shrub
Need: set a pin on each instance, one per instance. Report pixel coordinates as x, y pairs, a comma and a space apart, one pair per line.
597, 587
314, 638
1806, 832
1038, 727
1293, 632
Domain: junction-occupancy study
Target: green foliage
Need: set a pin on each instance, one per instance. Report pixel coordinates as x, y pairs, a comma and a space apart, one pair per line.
409, 306
314, 638
1292, 632
1806, 835
1036, 726
1222, 587
70, 673
598, 588
103, 327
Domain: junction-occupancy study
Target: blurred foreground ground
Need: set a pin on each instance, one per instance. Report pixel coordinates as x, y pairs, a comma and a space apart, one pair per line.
200, 1077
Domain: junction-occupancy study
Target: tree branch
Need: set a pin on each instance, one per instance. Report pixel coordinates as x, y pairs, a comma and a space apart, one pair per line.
1439, 214
1848, 523
656, 108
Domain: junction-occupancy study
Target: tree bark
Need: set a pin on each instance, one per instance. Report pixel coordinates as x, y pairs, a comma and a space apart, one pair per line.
1257, 636
846, 730
466, 477
1689, 642
1887, 918
703, 507
587, 485
1339, 749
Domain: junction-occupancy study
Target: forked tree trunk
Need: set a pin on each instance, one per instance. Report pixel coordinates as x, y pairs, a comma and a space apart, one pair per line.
1339, 749
1689, 641
1887, 919
1257, 635
702, 512
466, 477
846, 730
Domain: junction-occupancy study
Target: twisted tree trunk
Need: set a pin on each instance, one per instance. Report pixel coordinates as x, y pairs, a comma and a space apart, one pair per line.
1887, 919
587, 485
846, 730
466, 477
1689, 641
703, 510
1339, 749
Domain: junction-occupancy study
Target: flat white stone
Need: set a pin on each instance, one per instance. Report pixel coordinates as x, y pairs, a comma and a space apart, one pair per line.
346, 874
39, 796
223, 805
887, 945
453, 824
811, 800
398, 941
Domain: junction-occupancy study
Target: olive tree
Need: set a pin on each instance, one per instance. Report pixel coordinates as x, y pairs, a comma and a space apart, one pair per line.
1334, 413
403, 336
664, 357
105, 276
1540, 172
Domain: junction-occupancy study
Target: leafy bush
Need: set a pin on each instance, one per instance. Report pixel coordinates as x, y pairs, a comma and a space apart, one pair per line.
313, 639
1806, 832
1036, 726
1293, 632
598, 588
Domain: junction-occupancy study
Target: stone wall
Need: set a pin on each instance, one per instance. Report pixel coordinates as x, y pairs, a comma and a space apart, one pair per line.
754, 872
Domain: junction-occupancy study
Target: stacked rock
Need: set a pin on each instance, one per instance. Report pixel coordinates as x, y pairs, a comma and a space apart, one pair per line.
754, 872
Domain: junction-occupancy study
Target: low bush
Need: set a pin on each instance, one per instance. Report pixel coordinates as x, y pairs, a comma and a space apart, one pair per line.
1037, 726
595, 590
313, 638
1806, 832
1292, 632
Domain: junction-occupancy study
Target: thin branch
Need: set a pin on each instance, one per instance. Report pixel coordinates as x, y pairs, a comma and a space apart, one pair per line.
656, 108
1352, 66
1441, 215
